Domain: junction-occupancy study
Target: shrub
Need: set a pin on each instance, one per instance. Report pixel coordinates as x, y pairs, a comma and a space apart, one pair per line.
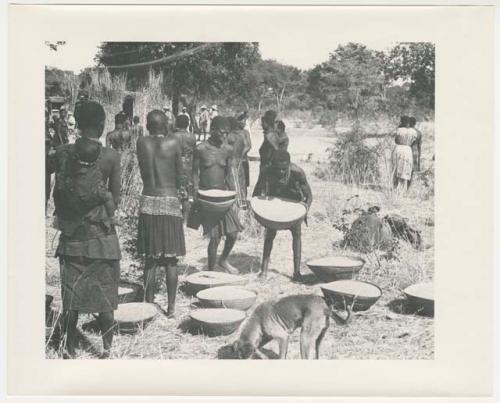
352, 161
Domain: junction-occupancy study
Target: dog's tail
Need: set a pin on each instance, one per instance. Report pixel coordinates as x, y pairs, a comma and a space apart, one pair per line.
339, 320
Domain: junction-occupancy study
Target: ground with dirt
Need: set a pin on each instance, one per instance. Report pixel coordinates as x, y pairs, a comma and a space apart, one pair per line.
383, 332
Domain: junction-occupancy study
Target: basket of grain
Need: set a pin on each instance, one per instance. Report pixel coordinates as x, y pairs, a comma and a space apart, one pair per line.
277, 213
132, 316
129, 292
333, 268
421, 298
216, 201
227, 297
358, 295
207, 279
217, 321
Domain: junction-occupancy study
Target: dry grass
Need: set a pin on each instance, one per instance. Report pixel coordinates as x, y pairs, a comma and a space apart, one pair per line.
380, 333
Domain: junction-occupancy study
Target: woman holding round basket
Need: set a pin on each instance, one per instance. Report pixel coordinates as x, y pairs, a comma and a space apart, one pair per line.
212, 165
286, 180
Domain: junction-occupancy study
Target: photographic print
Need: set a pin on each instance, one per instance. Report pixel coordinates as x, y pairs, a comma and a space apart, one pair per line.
239, 200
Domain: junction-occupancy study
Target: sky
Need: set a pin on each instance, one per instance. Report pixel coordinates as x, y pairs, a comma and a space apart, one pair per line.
80, 53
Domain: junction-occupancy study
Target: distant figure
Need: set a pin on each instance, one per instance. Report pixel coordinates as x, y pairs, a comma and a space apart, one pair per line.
187, 142
120, 138
170, 118
213, 113
402, 156
203, 123
212, 170
416, 146
160, 233
60, 128
88, 251
275, 138
284, 179
244, 130
136, 132
236, 139
184, 112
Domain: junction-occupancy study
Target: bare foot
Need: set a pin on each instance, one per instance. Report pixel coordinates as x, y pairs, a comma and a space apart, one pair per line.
262, 275
297, 278
224, 264
170, 313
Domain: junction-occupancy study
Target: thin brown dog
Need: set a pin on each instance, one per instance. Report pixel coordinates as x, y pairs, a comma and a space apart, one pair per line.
276, 320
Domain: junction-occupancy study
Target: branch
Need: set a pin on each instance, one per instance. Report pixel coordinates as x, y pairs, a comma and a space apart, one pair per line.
166, 59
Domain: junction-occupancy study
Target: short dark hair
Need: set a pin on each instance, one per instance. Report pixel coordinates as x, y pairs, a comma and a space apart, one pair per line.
269, 117
90, 115
280, 125
233, 123
404, 121
219, 123
156, 121
120, 118
136, 119
87, 150
412, 121
182, 122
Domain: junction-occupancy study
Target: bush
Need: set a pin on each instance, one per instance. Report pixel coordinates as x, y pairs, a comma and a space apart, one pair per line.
354, 162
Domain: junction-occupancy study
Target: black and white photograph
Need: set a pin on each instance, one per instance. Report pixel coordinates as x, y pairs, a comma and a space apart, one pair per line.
239, 200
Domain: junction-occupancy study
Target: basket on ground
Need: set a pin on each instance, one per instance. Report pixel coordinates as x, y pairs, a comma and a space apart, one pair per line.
333, 268
216, 201
206, 279
277, 213
227, 297
358, 295
131, 317
421, 298
217, 321
129, 292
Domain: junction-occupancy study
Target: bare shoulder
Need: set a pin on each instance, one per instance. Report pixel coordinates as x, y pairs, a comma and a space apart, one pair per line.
110, 154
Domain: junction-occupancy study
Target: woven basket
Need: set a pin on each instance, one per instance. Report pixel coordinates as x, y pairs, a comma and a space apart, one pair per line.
277, 213
206, 279
131, 317
336, 295
420, 298
130, 292
217, 322
216, 195
227, 297
332, 269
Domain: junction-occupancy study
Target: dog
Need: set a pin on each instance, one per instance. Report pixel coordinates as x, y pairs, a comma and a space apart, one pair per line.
276, 320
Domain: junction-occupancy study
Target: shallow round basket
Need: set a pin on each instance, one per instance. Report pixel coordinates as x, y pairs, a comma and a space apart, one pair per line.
227, 297
359, 295
131, 317
217, 321
277, 213
215, 207
129, 292
333, 268
216, 195
207, 279
421, 298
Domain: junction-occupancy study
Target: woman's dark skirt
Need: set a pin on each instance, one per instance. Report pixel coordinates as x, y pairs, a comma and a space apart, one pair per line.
160, 236
89, 285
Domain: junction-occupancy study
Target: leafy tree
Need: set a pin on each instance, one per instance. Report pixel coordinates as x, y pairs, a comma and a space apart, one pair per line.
213, 73
414, 63
350, 82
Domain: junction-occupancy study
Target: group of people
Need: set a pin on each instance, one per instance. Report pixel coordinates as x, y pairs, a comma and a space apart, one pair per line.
173, 167
406, 154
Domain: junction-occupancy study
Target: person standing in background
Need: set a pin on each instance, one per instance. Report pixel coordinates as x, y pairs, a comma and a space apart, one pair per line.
416, 147
203, 123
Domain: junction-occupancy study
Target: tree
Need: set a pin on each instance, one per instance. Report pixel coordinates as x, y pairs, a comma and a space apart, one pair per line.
414, 63
214, 73
350, 82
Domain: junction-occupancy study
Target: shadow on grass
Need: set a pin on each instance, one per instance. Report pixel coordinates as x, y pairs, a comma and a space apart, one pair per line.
227, 353
246, 264
403, 307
